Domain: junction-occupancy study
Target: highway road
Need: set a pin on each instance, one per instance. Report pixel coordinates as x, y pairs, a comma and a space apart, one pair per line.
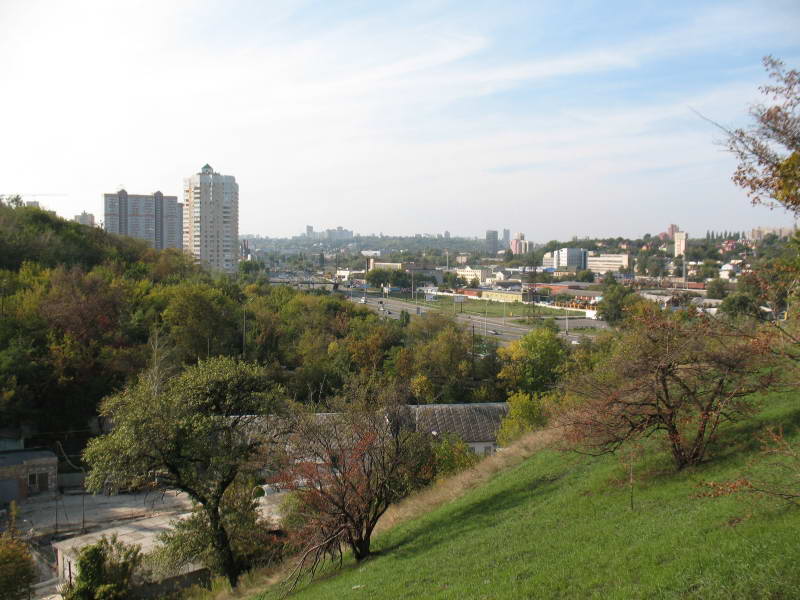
503, 331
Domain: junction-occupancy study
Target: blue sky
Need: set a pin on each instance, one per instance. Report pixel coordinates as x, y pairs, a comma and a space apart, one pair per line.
403, 117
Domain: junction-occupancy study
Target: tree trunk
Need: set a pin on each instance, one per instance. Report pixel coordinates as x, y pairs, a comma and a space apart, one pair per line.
222, 547
676, 444
360, 548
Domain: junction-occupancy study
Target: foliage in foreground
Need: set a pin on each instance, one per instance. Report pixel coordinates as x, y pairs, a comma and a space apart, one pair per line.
197, 432
105, 571
677, 376
560, 525
345, 469
190, 540
17, 569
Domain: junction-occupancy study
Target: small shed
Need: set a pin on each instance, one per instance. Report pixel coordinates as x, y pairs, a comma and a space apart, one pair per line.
25, 473
475, 423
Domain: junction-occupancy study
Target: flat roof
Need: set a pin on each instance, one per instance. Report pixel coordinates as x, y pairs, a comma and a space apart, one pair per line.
9, 458
142, 532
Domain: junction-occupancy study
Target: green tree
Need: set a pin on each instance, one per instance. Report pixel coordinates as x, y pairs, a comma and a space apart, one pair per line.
656, 266
196, 432
191, 540
525, 413
105, 571
586, 276
452, 455
740, 305
17, 568
716, 289
616, 300
201, 320
379, 277
532, 363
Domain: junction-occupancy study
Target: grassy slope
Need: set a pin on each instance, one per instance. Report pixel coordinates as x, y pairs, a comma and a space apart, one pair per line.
560, 526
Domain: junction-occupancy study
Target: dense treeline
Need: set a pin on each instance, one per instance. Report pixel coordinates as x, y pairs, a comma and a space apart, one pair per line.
78, 306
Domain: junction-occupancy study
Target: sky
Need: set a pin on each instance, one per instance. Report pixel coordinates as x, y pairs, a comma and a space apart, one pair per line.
554, 119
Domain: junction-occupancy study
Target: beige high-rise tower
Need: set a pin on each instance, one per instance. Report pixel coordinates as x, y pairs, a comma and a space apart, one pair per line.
681, 237
211, 219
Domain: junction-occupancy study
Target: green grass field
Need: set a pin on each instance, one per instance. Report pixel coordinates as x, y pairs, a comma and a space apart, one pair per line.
489, 308
560, 525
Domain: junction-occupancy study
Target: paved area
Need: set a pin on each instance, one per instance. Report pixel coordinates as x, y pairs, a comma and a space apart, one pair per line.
71, 512
503, 330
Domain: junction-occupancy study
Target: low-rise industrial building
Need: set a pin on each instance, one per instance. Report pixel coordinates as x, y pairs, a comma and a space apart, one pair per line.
468, 274
603, 263
25, 473
475, 423
506, 295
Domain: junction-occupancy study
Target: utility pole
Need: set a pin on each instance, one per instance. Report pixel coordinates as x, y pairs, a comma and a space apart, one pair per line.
473, 351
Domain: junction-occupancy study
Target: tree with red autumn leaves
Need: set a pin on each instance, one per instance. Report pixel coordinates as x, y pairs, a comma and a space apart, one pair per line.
678, 375
345, 469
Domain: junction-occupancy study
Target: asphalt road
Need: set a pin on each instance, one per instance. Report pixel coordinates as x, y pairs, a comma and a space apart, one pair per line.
502, 330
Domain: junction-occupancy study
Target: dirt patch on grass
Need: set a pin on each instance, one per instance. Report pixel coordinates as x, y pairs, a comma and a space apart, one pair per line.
454, 487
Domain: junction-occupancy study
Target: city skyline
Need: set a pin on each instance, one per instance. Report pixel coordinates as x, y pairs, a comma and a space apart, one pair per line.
558, 121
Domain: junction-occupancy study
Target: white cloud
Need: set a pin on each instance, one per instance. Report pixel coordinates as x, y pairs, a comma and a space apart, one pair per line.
353, 125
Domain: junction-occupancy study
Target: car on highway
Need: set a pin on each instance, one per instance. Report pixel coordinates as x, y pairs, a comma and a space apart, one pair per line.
363, 301
494, 332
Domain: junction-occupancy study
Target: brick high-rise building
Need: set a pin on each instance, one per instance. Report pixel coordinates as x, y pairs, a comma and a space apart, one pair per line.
155, 218
211, 219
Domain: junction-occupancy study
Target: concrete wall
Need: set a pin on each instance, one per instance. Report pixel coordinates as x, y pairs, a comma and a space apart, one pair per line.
21, 472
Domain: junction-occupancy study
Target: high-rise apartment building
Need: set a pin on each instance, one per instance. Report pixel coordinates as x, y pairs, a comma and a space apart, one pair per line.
506, 239
519, 245
491, 242
681, 238
211, 219
155, 218
85, 219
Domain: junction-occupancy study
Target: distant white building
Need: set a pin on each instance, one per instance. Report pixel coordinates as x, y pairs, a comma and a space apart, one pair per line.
468, 274
759, 233
728, 272
566, 259
603, 263
211, 219
85, 219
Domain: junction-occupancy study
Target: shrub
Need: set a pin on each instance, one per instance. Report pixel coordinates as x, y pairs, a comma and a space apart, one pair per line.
106, 571
452, 455
17, 569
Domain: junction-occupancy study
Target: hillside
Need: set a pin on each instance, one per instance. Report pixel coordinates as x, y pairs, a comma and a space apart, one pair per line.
560, 525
